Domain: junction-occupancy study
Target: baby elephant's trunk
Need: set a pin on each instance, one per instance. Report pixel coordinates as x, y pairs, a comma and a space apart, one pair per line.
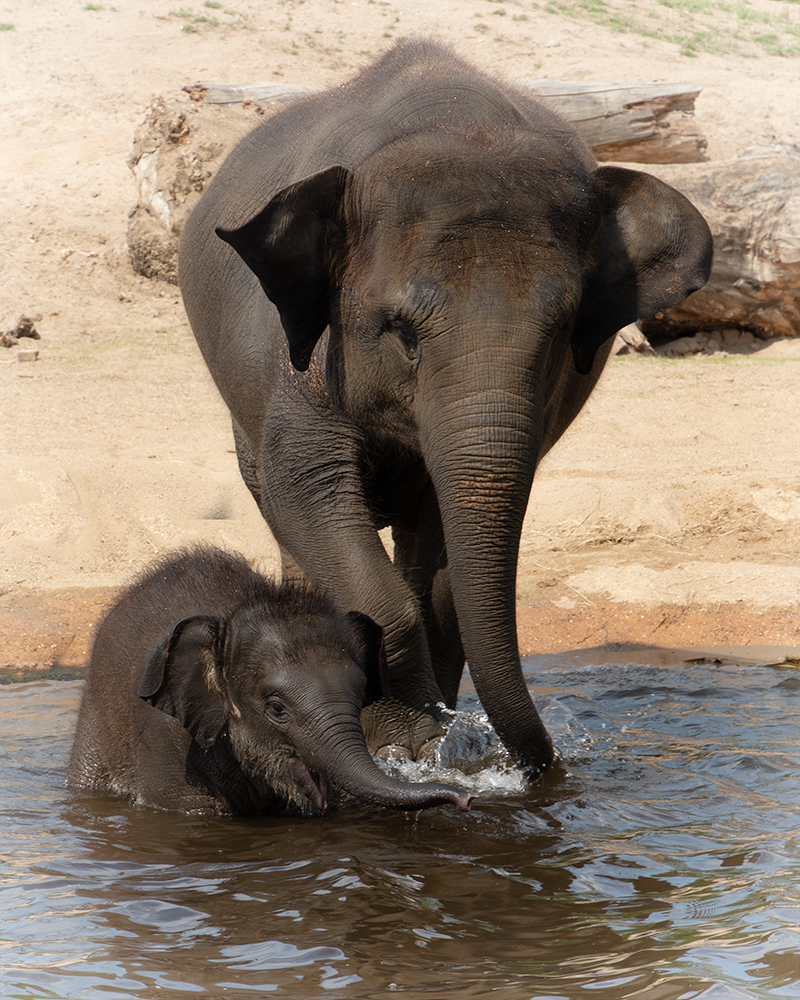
350, 766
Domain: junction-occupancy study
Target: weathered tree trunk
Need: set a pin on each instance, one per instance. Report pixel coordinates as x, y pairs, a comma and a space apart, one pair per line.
629, 122
752, 204
634, 122
176, 151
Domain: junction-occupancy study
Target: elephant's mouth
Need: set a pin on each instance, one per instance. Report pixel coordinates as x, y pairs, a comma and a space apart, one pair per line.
310, 784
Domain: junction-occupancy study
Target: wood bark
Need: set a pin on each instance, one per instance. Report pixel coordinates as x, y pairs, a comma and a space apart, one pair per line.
631, 122
752, 204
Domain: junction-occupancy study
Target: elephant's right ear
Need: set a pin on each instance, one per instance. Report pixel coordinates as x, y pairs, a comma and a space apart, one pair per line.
372, 658
290, 246
183, 677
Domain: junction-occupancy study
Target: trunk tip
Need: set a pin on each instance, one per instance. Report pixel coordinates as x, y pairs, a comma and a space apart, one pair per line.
464, 800
442, 794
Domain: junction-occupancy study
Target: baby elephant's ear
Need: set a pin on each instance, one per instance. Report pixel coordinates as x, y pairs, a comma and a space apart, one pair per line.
372, 656
183, 677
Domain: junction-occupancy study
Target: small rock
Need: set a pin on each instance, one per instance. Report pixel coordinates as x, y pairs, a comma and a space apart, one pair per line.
681, 346
25, 328
27, 355
730, 337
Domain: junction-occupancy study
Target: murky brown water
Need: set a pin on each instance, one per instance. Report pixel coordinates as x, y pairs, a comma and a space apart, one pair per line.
660, 861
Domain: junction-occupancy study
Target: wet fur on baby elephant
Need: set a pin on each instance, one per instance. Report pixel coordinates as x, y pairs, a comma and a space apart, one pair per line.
213, 689
405, 288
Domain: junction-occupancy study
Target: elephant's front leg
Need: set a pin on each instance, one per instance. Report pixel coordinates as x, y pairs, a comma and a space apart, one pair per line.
421, 556
313, 499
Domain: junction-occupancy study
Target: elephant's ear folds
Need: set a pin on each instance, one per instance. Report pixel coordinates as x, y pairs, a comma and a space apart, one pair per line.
656, 250
289, 246
371, 656
183, 677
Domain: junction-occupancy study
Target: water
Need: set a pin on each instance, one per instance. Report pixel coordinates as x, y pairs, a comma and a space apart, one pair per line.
660, 860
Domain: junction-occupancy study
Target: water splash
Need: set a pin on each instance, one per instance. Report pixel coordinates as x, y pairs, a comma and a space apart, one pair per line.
469, 755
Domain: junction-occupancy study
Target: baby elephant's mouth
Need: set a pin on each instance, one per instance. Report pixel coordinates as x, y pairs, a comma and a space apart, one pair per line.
310, 785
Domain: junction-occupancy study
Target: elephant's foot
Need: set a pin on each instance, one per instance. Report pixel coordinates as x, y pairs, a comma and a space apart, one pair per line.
394, 730
393, 753
429, 750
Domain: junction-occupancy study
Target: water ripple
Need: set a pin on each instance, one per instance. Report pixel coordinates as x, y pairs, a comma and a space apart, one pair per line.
658, 859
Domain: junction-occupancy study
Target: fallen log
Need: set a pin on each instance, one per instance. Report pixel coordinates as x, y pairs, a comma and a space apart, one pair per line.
752, 204
631, 122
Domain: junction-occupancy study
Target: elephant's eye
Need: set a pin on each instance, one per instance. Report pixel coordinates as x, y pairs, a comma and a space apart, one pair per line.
407, 336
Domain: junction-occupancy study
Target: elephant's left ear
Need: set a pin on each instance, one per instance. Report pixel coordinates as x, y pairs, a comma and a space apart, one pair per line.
371, 656
656, 250
290, 246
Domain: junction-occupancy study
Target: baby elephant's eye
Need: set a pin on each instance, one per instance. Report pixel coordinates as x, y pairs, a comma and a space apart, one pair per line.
276, 708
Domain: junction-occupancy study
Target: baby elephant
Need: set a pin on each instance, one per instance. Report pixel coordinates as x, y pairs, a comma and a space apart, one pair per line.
211, 689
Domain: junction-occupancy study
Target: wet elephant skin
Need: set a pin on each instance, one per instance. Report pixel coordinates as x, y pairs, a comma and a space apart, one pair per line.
211, 689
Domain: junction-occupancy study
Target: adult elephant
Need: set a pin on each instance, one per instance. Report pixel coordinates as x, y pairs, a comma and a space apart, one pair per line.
405, 289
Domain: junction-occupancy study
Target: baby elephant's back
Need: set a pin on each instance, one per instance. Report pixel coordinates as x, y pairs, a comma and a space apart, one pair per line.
199, 581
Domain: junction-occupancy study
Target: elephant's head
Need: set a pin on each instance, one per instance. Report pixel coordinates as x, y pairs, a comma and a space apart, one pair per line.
471, 280
279, 698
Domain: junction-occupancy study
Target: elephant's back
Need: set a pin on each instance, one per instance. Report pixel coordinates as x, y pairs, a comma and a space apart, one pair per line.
419, 85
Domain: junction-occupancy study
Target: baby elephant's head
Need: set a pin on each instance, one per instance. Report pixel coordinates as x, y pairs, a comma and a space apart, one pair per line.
276, 690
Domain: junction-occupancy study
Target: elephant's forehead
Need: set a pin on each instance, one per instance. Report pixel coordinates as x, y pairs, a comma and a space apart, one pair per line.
285, 658
446, 202
480, 257
460, 233
507, 175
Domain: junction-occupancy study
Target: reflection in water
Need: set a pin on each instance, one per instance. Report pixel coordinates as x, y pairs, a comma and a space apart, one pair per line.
658, 860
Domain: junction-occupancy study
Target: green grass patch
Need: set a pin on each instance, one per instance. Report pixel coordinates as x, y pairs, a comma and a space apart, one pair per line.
195, 21
743, 27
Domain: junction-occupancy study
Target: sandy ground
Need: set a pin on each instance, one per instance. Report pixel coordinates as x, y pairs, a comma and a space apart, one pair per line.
668, 515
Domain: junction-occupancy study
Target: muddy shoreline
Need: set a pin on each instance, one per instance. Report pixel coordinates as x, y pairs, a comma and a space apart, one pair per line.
47, 632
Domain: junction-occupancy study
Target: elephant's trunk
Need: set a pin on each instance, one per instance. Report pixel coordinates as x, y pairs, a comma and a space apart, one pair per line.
481, 453
340, 753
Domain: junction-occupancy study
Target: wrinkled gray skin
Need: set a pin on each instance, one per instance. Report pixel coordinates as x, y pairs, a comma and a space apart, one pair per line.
405, 290
213, 690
